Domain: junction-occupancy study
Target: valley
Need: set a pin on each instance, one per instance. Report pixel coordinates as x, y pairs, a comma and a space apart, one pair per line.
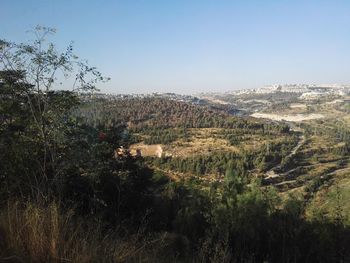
315, 157
298, 146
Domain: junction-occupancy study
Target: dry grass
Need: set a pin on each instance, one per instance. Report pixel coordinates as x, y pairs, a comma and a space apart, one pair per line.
201, 141
32, 233
154, 150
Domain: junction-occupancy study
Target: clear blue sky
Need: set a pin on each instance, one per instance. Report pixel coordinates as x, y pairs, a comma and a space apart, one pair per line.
188, 46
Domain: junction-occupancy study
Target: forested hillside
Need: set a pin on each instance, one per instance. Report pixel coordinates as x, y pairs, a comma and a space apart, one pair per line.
66, 196
141, 113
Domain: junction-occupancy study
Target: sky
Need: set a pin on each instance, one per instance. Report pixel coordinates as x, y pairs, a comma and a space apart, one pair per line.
191, 46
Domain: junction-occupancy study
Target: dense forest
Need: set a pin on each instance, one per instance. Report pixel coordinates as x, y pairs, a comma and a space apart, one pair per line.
65, 197
143, 113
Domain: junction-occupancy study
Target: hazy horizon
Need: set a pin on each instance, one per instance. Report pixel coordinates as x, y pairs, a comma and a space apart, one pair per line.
189, 47
329, 85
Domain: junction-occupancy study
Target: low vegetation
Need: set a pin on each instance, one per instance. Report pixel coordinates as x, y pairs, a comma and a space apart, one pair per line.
66, 195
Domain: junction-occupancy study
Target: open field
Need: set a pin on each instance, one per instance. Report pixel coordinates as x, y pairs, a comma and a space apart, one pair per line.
202, 141
144, 150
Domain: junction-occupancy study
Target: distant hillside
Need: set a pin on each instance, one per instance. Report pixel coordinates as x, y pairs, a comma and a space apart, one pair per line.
159, 112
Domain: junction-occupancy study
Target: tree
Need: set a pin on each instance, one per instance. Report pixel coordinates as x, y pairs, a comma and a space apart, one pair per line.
32, 112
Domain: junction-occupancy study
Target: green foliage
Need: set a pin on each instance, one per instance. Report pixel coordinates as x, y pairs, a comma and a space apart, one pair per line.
164, 136
142, 114
55, 149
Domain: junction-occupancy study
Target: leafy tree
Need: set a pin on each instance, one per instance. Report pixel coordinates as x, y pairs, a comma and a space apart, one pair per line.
34, 115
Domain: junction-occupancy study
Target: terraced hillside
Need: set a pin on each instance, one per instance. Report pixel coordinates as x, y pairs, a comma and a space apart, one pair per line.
306, 157
319, 167
192, 137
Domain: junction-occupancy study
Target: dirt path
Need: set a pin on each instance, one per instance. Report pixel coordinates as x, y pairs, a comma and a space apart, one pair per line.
338, 171
271, 173
302, 140
288, 117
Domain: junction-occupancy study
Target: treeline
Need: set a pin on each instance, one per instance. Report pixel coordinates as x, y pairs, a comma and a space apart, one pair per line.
159, 135
164, 136
238, 135
216, 163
